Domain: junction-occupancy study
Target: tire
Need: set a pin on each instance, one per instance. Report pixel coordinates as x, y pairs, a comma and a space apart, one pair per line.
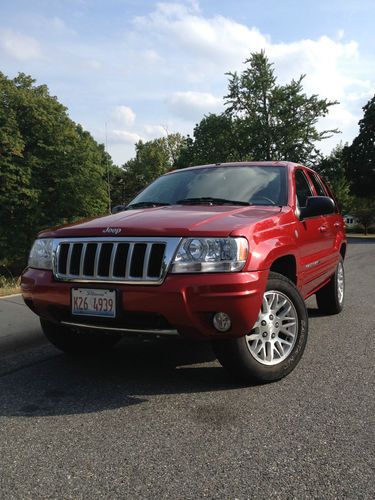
76, 341
330, 298
257, 356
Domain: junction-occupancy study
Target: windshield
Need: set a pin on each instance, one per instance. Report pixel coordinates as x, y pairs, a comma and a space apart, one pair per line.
255, 185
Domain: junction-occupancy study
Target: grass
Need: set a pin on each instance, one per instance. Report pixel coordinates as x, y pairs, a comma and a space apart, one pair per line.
360, 235
8, 286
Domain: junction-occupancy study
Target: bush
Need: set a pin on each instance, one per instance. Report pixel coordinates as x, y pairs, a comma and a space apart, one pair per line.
354, 229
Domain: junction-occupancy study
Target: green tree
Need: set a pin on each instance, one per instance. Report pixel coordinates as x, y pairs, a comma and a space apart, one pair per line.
117, 185
153, 158
361, 154
364, 211
333, 170
266, 121
215, 140
51, 170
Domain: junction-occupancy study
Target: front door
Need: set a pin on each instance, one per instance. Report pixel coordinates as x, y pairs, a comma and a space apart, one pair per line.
314, 240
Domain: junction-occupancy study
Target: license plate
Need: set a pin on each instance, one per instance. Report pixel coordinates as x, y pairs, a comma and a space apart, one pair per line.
94, 302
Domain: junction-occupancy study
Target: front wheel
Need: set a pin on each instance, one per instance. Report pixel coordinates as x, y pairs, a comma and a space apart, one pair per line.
75, 341
275, 344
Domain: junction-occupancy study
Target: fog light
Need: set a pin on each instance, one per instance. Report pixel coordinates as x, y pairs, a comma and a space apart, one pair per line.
222, 322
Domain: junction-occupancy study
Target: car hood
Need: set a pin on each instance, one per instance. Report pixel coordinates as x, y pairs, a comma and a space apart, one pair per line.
169, 221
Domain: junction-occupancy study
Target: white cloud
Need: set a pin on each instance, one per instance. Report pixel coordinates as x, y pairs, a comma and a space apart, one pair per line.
217, 38
124, 114
19, 46
124, 136
191, 105
92, 64
154, 131
58, 24
151, 56
324, 61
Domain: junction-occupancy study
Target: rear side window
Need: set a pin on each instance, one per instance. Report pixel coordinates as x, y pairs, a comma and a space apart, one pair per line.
303, 190
317, 184
330, 194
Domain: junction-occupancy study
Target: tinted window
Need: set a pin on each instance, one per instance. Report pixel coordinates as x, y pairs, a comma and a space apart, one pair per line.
258, 185
303, 190
330, 194
317, 185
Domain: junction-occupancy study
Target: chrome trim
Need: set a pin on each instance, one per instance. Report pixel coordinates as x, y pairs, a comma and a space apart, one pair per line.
146, 261
112, 260
129, 259
124, 330
69, 258
96, 260
171, 245
82, 259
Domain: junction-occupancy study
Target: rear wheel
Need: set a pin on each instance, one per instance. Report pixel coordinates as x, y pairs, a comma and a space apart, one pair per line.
76, 341
275, 344
330, 298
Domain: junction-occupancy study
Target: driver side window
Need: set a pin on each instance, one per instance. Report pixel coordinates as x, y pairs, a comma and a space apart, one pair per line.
303, 190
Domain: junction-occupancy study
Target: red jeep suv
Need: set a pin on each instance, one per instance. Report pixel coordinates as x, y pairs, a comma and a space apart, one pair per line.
226, 252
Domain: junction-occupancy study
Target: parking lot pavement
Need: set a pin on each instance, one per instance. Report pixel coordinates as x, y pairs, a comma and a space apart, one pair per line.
19, 327
162, 420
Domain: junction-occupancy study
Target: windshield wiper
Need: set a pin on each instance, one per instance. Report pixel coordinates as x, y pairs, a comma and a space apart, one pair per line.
147, 204
208, 200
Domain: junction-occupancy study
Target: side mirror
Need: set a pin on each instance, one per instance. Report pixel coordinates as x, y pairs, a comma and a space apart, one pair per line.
317, 205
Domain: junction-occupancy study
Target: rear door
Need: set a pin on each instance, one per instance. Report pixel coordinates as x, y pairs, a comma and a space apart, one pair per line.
335, 221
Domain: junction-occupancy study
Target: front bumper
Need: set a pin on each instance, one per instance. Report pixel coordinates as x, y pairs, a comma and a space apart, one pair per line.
185, 303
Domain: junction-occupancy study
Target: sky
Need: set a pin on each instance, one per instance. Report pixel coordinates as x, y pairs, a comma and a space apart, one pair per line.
130, 70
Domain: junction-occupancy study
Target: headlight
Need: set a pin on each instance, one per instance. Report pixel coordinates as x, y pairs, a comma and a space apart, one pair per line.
210, 255
41, 254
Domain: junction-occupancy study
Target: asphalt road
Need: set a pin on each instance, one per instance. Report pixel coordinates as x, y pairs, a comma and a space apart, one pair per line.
19, 327
157, 420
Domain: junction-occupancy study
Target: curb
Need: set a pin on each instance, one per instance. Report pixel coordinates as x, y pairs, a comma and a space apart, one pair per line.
11, 295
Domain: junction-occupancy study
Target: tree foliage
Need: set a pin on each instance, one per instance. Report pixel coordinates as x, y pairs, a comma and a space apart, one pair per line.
214, 142
153, 158
333, 169
364, 211
360, 155
262, 120
51, 170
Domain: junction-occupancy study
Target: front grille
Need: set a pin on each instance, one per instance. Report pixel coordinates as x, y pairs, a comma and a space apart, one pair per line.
116, 260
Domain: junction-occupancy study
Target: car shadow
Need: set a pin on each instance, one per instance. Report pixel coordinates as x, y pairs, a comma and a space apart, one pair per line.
66, 385
313, 312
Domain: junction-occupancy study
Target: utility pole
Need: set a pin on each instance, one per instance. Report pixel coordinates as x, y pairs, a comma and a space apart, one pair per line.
108, 176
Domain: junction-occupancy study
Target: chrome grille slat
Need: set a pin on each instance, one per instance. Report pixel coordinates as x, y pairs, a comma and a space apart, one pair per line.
146, 261
82, 261
147, 258
96, 260
129, 259
69, 259
112, 260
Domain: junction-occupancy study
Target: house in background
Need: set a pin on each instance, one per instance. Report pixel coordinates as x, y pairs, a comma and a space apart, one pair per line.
350, 221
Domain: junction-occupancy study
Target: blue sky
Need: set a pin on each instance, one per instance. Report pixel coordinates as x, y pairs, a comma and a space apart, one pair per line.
144, 67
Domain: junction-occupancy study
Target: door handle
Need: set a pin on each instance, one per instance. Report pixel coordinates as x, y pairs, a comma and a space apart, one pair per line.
322, 229
337, 225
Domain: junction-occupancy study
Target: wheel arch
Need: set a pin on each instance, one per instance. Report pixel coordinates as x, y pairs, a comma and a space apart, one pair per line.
343, 250
287, 266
